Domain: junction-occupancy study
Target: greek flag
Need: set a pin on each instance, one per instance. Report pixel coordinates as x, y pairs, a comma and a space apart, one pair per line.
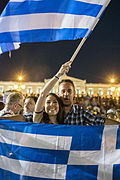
62, 152
25, 21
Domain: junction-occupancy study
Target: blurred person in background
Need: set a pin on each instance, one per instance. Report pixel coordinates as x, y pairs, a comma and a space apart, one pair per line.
13, 107
14, 104
29, 106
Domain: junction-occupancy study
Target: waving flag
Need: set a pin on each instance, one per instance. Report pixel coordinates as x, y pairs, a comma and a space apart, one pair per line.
25, 21
47, 152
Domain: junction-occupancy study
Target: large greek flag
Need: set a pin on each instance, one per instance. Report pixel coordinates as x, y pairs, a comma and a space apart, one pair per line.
25, 21
62, 152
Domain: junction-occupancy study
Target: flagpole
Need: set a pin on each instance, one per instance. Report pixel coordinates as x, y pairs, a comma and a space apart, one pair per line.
92, 27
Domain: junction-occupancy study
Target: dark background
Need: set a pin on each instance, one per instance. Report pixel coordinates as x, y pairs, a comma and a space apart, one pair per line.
97, 61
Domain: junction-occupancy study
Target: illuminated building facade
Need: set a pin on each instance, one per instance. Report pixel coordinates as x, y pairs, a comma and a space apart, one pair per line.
81, 86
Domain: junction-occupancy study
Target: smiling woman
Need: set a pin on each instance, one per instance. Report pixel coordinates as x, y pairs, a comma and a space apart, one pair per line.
53, 110
48, 108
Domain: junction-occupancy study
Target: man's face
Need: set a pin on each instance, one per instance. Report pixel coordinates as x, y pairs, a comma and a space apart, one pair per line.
66, 93
29, 105
18, 107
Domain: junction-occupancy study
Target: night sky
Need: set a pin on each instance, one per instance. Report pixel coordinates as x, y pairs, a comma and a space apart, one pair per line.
98, 59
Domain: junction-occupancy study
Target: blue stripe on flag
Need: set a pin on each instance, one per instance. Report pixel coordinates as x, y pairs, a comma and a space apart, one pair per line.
30, 154
6, 46
81, 172
52, 6
43, 35
118, 139
50, 129
10, 125
116, 172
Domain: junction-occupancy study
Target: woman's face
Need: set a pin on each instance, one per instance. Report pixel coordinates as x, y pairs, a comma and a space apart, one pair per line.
51, 106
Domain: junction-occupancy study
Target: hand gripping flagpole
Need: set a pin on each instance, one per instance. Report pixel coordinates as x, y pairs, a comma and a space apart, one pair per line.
92, 27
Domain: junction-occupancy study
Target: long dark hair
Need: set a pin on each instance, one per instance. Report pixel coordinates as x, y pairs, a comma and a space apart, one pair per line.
46, 119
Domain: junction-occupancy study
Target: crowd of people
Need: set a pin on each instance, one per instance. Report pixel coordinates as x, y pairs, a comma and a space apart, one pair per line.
61, 108
105, 106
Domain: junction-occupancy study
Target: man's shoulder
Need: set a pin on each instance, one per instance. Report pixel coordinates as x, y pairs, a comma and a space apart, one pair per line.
17, 117
76, 108
5, 112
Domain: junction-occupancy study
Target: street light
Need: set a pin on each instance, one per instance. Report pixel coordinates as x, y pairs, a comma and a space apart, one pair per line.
20, 85
112, 80
20, 78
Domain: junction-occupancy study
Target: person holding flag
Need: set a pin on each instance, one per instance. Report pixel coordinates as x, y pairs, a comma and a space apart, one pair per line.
49, 108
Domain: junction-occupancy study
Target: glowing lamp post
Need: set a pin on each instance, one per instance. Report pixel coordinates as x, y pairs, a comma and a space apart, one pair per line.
20, 78
20, 86
112, 80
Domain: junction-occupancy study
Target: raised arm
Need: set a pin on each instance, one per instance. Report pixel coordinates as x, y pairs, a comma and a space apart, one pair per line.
38, 113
